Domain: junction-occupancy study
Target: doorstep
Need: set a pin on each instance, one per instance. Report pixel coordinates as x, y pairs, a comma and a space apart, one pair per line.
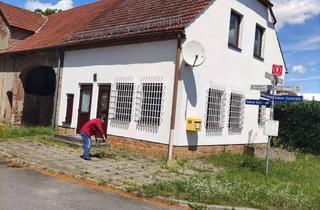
75, 139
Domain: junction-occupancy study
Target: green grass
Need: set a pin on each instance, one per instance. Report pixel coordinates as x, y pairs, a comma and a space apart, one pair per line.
9, 131
37, 134
243, 183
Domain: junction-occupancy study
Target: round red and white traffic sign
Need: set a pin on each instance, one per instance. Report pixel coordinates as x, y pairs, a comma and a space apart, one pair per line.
277, 70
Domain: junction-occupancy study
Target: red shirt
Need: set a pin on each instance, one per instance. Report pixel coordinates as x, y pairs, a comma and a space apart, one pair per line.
91, 127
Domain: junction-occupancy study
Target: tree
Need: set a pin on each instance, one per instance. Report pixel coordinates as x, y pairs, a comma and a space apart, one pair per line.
47, 12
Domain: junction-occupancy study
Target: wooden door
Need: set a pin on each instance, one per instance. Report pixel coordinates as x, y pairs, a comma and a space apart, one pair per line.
103, 103
69, 110
84, 105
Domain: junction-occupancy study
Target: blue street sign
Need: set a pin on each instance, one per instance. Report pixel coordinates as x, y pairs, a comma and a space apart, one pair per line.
258, 102
282, 98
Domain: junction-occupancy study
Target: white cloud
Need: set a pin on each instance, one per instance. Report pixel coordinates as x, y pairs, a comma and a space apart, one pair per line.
303, 79
299, 69
310, 43
295, 11
32, 5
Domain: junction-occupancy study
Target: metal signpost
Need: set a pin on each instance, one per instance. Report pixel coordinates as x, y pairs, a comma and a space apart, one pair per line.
271, 126
271, 118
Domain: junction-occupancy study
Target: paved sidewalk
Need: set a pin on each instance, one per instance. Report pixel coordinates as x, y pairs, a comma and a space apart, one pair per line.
118, 169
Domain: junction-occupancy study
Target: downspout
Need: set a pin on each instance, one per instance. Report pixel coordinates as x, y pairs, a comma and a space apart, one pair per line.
60, 55
174, 97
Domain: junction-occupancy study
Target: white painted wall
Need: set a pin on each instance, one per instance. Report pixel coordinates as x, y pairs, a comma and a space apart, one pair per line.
136, 60
229, 67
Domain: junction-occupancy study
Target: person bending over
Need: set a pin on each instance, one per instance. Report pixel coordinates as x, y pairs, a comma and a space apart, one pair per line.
90, 128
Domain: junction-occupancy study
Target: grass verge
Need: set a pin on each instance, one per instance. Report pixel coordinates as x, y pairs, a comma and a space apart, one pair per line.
242, 183
37, 134
9, 131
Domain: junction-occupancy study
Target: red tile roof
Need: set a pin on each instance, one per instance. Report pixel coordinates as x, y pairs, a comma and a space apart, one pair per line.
21, 18
112, 19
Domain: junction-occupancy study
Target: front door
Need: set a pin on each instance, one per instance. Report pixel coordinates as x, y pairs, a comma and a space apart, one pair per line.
103, 103
84, 105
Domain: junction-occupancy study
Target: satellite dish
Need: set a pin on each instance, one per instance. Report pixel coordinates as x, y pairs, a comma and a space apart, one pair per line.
194, 54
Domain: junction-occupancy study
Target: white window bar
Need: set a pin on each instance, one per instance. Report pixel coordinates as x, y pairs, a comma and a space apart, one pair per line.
262, 115
236, 112
121, 100
149, 102
216, 102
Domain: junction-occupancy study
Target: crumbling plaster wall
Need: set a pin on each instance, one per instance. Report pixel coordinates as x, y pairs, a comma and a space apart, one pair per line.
13, 69
4, 34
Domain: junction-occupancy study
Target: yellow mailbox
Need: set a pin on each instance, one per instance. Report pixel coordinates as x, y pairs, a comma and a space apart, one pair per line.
194, 124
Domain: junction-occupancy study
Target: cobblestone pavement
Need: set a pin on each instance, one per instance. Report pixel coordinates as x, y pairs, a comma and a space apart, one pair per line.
118, 168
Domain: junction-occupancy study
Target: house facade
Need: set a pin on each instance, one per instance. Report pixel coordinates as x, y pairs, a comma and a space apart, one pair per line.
125, 59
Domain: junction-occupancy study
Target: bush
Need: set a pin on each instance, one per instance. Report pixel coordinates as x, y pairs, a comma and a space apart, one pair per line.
299, 126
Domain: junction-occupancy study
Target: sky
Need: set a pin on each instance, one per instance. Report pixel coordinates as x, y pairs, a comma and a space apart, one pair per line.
298, 30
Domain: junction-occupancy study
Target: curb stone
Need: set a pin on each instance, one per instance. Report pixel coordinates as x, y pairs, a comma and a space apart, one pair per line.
206, 207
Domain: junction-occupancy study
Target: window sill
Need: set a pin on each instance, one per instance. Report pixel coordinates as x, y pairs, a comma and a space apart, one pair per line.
233, 47
258, 57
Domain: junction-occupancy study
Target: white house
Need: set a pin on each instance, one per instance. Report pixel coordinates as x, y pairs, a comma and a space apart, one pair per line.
125, 59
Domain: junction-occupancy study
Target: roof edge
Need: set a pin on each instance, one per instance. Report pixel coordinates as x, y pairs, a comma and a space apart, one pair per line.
141, 38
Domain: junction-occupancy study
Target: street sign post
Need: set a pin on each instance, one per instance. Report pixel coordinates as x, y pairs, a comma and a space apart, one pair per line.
281, 98
261, 87
268, 76
258, 102
271, 77
280, 81
284, 88
277, 71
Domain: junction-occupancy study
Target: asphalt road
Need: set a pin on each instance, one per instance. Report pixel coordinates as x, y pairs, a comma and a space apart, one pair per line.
26, 189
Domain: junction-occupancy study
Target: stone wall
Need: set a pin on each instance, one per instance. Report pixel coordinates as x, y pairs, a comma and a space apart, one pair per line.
13, 69
4, 34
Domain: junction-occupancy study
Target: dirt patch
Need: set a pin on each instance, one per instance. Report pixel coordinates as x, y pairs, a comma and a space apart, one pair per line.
276, 154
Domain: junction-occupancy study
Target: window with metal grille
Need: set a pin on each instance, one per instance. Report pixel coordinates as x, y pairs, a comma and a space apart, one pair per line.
150, 97
261, 115
122, 101
215, 110
236, 112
